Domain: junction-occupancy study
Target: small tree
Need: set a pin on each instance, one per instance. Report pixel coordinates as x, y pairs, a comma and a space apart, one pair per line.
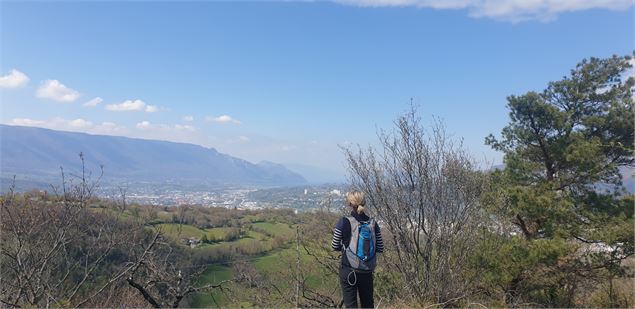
425, 189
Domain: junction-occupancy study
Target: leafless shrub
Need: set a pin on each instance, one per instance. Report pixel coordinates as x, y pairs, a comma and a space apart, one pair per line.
425, 189
59, 251
52, 250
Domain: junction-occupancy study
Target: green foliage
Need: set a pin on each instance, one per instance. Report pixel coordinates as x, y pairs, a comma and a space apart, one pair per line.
517, 266
561, 186
204, 239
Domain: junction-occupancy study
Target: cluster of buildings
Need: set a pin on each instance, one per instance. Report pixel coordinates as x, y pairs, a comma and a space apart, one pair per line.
300, 198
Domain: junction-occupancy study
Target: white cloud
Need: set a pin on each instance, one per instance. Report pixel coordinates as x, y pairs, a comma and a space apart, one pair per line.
151, 108
243, 138
108, 127
108, 124
143, 125
80, 123
54, 90
222, 119
14, 79
57, 123
508, 10
128, 105
188, 118
144, 129
147, 125
132, 105
94, 102
184, 128
27, 122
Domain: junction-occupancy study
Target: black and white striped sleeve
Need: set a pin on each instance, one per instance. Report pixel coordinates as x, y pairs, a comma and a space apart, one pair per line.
341, 233
336, 244
379, 240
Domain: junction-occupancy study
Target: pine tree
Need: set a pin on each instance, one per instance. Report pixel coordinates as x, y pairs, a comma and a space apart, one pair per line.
561, 186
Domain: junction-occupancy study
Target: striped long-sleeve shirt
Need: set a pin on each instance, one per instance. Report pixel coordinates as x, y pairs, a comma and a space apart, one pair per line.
342, 233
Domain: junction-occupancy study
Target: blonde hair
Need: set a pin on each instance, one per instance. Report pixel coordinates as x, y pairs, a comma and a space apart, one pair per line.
356, 200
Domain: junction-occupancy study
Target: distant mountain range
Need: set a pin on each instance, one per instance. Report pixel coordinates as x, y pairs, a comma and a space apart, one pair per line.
38, 152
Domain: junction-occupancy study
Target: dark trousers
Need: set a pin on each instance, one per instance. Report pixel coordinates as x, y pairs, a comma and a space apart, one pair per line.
355, 282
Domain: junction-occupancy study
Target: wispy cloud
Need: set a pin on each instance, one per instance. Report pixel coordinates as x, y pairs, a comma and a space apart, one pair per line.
179, 127
188, 118
54, 90
111, 127
223, 119
143, 125
27, 122
94, 102
144, 129
132, 105
151, 108
14, 79
243, 138
288, 147
506, 10
78, 125
147, 125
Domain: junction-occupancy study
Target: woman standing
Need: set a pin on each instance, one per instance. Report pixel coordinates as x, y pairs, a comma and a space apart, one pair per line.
359, 238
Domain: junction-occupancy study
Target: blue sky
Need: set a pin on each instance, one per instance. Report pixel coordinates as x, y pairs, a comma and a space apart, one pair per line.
289, 81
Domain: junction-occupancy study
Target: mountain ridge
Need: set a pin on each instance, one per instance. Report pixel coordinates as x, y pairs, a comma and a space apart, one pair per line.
40, 151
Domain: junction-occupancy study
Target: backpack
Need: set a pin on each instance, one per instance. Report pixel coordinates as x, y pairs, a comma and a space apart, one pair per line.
361, 250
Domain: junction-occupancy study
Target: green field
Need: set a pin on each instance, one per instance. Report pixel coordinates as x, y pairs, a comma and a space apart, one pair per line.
213, 274
178, 231
217, 232
278, 262
252, 218
275, 228
274, 262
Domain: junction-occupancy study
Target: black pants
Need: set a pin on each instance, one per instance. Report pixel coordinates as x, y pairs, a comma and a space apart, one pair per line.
356, 282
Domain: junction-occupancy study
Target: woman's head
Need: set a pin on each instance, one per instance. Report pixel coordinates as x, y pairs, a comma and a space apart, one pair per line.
356, 200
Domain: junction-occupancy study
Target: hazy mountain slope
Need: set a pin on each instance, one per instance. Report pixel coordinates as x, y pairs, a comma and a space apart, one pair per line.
628, 180
318, 175
28, 150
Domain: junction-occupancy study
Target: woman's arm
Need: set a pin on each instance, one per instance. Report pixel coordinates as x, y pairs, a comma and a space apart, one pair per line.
339, 234
336, 244
379, 240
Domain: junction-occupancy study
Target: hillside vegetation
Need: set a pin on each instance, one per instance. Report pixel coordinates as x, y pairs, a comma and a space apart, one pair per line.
553, 228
